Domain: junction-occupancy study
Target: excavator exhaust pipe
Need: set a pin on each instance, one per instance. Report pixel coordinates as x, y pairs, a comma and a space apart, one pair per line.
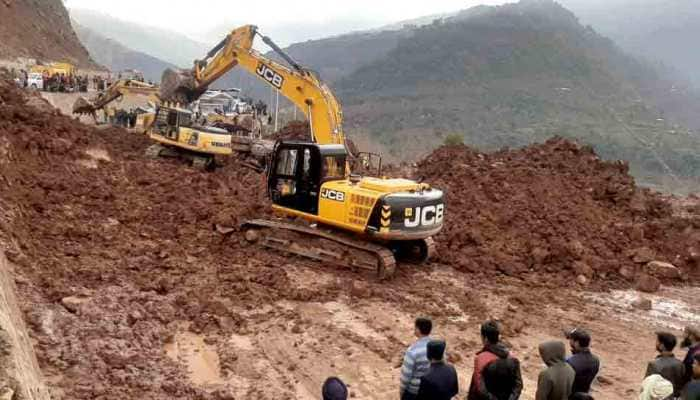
83, 106
178, 86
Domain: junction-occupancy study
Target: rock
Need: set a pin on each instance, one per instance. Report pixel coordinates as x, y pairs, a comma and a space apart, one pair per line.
637, 233
581, 268
642, 255
662, 269
626, 272
582, 280
647, 283
642, 304
252, 235
539, 255
575, 248
604, 380
7, 393
133, 317
72, 303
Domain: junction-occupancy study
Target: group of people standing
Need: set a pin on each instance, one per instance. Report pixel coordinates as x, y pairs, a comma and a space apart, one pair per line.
426, 375
496, 374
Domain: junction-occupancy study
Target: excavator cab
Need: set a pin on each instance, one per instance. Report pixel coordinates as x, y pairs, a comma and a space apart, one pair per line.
169, 120
299, 169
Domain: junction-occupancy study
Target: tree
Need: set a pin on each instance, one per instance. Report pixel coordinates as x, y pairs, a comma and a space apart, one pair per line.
454, 139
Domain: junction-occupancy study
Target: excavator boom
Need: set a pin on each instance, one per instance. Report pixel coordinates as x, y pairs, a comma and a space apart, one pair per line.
115, 91
301, 86
356, 222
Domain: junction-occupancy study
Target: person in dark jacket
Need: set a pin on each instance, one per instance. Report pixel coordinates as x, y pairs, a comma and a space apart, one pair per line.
666, 364
554, 382
585, 364
691, 340
692, 391
440, 383
334, 389
496, 373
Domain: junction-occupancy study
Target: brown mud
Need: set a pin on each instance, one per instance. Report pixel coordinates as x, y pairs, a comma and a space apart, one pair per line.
129, 292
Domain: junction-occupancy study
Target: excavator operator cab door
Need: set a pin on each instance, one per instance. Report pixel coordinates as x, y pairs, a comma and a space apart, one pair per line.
294, 179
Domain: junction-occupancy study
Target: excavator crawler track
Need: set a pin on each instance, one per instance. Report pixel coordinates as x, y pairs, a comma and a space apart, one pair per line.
347, 251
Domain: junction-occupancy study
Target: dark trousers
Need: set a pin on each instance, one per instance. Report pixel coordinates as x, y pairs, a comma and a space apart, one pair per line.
408, 396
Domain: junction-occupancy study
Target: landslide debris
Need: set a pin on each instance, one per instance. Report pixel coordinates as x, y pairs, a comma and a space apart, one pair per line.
41, 30
116, 252
555, 210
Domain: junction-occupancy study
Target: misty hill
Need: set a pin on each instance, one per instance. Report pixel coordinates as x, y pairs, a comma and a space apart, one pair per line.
665, 31
168, 46
118, 57
511, 75
41, 30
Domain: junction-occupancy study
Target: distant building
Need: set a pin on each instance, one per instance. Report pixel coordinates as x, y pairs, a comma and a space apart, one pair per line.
225, 102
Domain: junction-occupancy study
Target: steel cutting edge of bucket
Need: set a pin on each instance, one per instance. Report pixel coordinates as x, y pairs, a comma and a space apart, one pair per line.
83, 106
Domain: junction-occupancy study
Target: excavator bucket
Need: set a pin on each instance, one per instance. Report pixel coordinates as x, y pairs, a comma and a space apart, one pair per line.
178, 86
83, 106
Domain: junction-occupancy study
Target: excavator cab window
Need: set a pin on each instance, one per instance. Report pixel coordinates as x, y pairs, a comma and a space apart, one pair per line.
294, 181
333, 168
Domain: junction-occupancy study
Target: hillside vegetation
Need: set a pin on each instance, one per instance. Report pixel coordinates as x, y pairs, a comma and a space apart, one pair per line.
664, 31
512, 75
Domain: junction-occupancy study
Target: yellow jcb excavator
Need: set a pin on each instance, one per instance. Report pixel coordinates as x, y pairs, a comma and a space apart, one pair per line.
353, 221
171, 126
114, 92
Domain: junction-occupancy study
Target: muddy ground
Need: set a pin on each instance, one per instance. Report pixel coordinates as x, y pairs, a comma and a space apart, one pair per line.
130, 293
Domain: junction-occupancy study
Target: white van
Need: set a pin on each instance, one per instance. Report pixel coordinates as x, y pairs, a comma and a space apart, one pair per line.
35, 81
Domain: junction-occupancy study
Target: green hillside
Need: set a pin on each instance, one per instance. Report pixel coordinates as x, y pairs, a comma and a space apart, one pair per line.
510, 75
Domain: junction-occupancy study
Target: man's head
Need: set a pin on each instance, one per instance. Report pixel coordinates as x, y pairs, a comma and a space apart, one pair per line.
665, 342
579, 339
334, 389
691, 336
696, 366
436, 350
423, 326
490, 332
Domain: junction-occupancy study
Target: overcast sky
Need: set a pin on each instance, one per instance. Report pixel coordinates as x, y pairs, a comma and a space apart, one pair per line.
198, 18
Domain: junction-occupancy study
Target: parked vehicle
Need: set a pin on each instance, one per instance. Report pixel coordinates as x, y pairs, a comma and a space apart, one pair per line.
35, 80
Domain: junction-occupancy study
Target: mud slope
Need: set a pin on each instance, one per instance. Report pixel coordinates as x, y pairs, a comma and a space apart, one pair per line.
554, 208
128, 292
42, 30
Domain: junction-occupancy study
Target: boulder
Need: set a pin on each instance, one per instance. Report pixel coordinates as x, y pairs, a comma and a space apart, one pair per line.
642, 303
72, 303
626, 272
662, 269
581, 268
637, 233
643, 255
647, 283
582, 280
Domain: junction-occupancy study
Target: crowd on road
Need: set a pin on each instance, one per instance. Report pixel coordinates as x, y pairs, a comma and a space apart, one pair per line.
426, 375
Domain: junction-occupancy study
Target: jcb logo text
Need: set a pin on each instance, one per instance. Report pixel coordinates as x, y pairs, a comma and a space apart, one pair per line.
332, 195
270, 75
424, 216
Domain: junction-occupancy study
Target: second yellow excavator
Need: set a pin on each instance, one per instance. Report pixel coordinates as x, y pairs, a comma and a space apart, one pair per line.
114, 92
351, 220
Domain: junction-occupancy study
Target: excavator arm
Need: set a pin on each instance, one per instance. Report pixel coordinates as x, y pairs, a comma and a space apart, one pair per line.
301, 86
115, 91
